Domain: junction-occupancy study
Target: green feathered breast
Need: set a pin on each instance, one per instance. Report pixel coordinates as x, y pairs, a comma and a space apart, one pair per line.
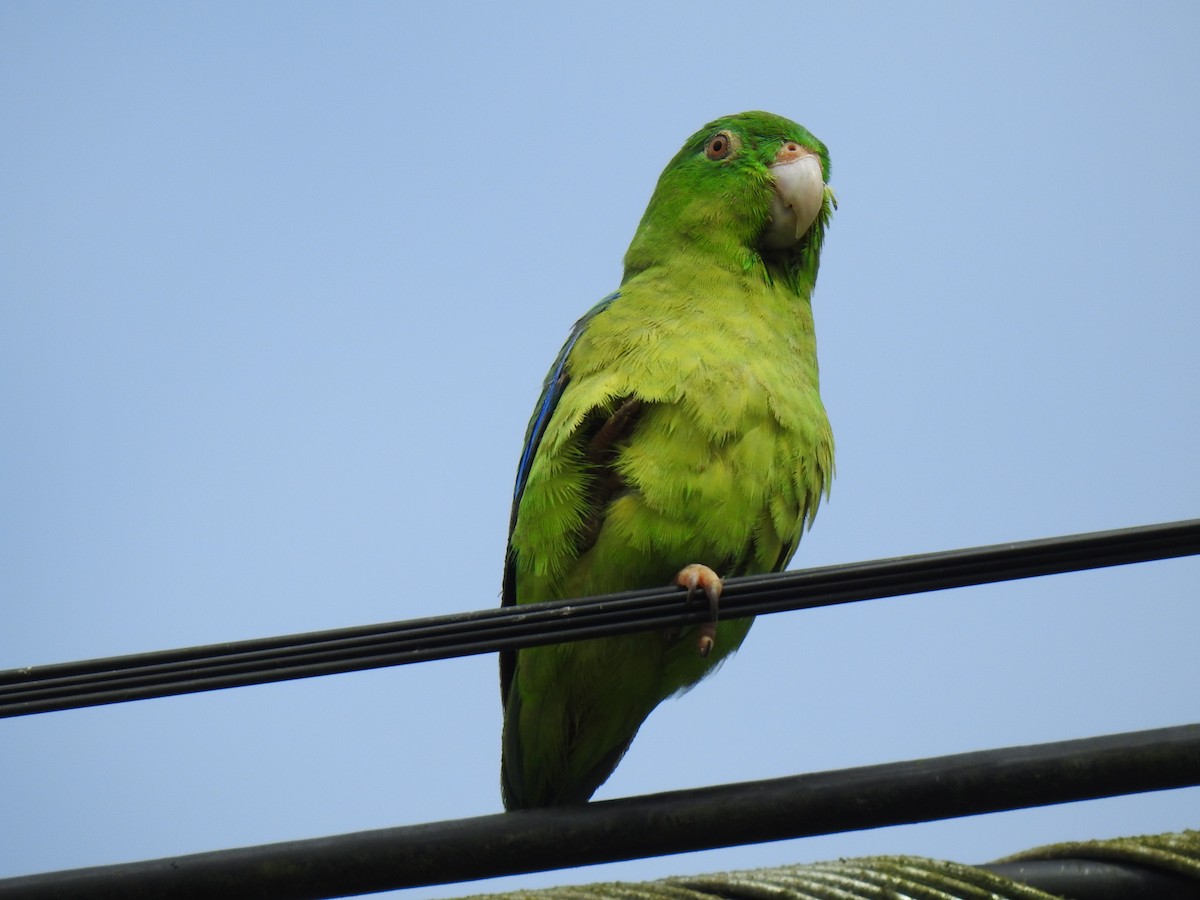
681, 424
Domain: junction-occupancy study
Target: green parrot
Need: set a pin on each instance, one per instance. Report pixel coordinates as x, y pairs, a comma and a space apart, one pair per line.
680, 434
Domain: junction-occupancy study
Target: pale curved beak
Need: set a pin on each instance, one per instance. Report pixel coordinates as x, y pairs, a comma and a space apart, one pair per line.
799, 193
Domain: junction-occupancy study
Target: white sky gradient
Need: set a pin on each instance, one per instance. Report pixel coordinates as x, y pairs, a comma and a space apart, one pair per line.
278, 287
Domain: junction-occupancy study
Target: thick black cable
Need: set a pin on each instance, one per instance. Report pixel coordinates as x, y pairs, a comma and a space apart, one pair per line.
1093, 879
653, 825
187, 670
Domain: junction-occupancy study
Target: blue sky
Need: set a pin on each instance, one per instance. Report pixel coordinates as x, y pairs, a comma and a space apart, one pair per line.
279, 286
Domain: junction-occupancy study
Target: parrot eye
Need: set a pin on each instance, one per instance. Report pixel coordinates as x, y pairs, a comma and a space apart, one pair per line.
720, 145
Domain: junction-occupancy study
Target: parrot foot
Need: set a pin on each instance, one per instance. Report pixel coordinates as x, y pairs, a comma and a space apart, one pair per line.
702, 577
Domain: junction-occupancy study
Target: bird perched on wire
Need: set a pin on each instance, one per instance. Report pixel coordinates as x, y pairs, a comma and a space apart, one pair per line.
680, 437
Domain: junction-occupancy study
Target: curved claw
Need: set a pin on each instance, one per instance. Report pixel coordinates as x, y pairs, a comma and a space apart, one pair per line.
701, 576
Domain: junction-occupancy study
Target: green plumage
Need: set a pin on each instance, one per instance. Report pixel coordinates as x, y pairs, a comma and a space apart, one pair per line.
682, 424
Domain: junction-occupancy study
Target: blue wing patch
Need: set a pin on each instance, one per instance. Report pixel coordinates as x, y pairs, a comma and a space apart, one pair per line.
552, 390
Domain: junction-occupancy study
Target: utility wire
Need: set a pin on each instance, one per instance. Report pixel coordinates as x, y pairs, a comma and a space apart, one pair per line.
653, 825
188, 670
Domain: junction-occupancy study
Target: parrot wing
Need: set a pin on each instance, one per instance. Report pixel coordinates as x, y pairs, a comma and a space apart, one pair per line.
552, 390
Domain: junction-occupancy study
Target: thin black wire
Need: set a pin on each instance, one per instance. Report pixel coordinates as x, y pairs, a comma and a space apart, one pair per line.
191, 669
654, 825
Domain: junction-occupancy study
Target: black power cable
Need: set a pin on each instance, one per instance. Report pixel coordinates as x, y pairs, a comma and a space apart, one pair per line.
653, 825
187, 670
1091, 879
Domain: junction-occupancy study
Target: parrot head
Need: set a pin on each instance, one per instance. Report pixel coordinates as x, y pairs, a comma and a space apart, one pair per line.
749, 189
